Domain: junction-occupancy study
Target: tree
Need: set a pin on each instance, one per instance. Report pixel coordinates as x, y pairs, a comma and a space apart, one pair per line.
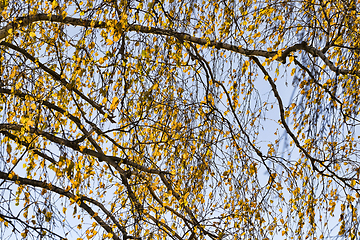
169, 120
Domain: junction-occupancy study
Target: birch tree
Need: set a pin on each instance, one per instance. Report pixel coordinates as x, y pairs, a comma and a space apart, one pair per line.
167, 119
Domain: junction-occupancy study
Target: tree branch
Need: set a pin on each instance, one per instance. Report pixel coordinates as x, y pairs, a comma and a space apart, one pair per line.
50, 187
331, 174
56, 76
113, 160
23, 21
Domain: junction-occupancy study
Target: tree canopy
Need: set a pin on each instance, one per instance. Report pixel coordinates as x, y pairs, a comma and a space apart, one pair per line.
179, 119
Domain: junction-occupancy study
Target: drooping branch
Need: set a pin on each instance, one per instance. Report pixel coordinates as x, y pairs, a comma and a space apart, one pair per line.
330, 173
57, 77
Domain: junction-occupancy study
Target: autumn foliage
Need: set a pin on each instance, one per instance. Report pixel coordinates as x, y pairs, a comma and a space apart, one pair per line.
179, 119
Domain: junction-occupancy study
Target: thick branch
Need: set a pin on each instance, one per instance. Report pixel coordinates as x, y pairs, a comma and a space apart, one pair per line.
50, 187
113, 160
56, 108
23, 21
28, 146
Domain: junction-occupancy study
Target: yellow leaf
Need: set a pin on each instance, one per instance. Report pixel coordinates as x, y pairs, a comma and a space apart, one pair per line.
54, 4
293, 71
109, 41
104, 100
48, 216
116, 37
30, 123
114, 103
8, 148
32, 34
